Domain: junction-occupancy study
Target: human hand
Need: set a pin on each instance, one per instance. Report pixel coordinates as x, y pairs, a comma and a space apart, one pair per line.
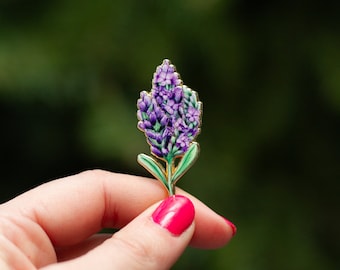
55, 225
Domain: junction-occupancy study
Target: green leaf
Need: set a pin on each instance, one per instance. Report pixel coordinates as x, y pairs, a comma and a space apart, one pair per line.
186, 162
153, 167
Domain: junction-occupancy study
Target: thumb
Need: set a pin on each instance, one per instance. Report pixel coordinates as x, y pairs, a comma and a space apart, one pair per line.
157, 242
153, 240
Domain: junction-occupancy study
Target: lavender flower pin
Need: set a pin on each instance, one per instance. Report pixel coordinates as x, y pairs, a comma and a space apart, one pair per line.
170, 117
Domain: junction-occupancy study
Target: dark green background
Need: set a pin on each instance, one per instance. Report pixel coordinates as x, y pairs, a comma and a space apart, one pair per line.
268, 73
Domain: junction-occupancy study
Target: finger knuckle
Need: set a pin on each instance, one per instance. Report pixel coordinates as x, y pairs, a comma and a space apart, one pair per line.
140, 253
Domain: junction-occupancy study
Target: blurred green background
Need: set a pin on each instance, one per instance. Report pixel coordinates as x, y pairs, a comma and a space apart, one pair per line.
268, 73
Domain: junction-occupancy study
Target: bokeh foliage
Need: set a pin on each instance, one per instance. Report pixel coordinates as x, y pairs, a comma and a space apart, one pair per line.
268, 73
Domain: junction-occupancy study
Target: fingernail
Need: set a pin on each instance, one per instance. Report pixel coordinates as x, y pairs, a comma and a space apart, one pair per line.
175, 214
232, 226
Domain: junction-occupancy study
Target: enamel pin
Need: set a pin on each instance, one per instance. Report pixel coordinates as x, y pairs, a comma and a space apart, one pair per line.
170, 117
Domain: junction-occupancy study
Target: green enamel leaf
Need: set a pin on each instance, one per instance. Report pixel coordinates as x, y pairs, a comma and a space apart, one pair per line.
186, 162
153, 167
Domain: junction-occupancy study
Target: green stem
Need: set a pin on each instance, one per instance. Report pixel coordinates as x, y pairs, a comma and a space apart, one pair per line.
169, 167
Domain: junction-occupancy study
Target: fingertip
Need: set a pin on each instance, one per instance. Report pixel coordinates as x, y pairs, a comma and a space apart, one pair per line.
231, 225
157, 237
176, 214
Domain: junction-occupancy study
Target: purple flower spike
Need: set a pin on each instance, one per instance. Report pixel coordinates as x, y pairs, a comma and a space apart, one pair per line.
170, 117
170, 114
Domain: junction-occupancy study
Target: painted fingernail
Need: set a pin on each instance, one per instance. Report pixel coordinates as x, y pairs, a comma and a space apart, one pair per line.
232, 226
175, 214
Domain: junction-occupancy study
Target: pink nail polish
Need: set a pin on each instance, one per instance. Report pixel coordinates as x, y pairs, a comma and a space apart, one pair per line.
232, 225
175, 214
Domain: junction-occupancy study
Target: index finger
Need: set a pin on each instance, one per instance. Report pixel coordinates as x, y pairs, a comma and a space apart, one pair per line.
71, 209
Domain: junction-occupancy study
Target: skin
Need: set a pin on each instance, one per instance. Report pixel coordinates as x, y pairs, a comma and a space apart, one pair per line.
55, 225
